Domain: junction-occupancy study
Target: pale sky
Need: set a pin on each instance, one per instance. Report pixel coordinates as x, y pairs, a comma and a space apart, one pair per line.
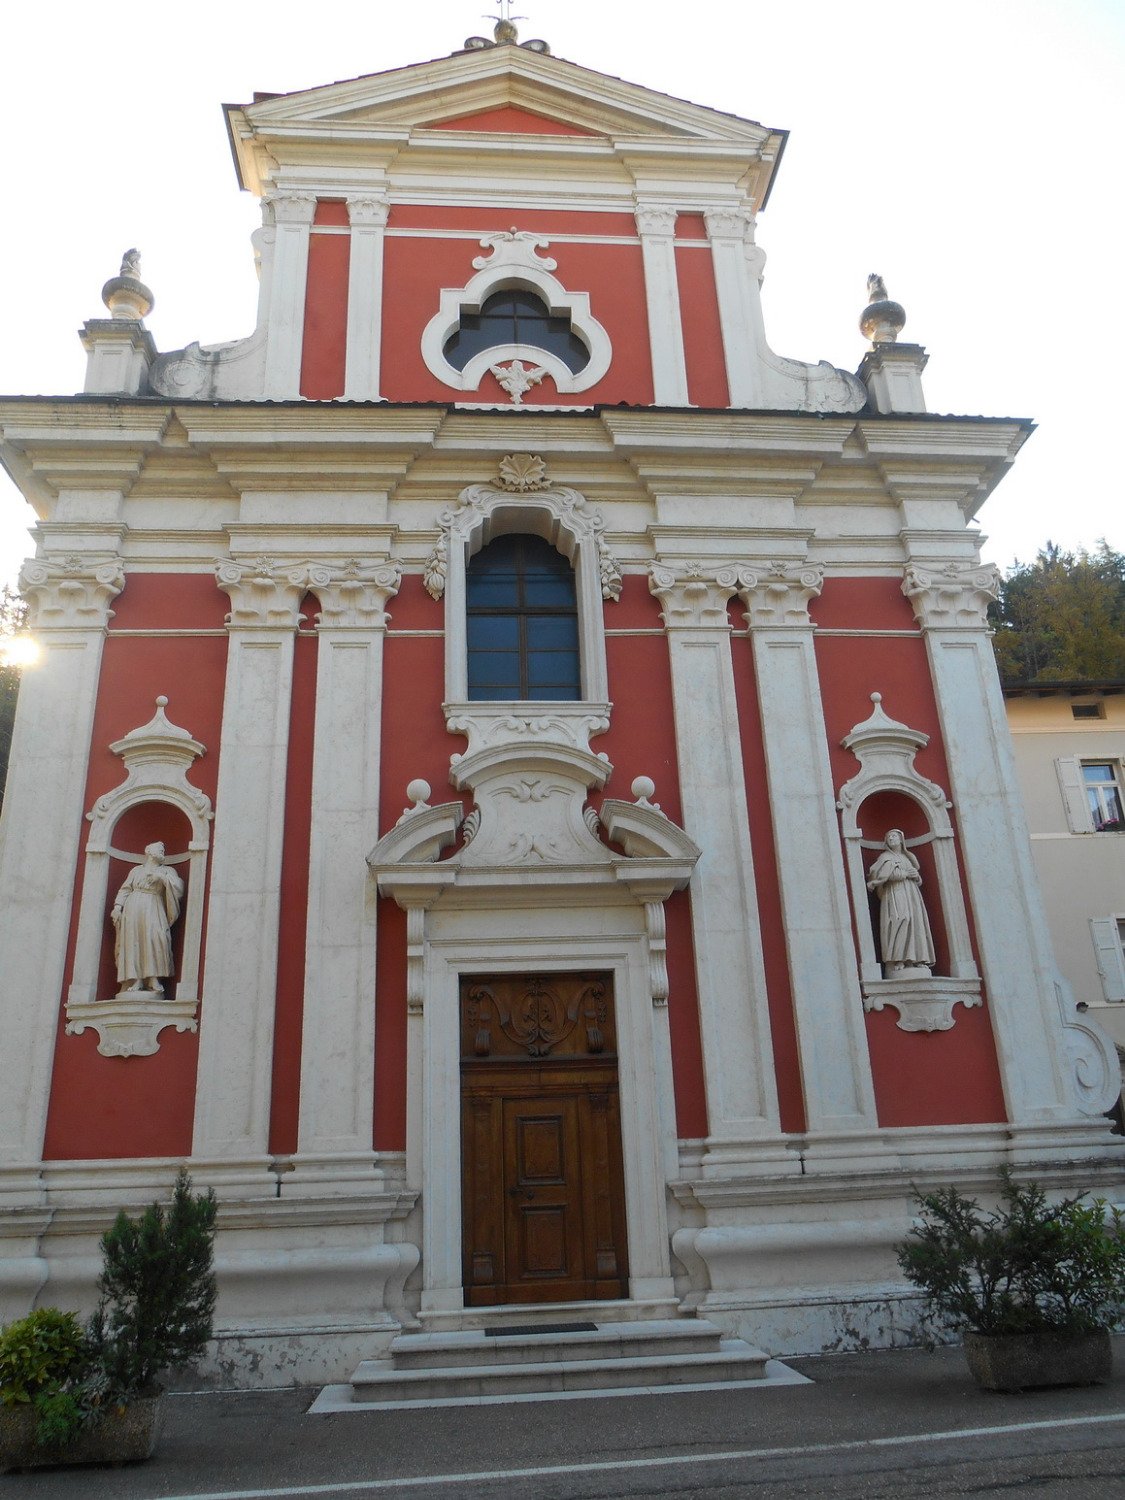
969, 152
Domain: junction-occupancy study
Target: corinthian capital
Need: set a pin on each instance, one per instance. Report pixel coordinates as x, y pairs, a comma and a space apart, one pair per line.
368, 208
691, 596
71, 593
951, 596
264, 595
655, 218
729, 223
777, 594
353, 596
293, 208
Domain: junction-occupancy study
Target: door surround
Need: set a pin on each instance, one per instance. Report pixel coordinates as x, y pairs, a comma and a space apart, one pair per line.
491, 942
535, 888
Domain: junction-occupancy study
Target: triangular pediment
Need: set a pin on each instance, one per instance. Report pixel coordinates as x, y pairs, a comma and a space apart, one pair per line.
489, 87
509, 119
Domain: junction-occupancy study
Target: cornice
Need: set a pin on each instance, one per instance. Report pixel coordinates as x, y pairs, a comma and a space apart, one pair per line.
653, 429
507, 74
926, 435
47, 450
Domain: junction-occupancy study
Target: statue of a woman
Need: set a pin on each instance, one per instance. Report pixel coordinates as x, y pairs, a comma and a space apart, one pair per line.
143, 912
904, 928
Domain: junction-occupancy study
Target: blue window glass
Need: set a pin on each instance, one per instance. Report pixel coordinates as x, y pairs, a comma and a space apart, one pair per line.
515, 316
522, 622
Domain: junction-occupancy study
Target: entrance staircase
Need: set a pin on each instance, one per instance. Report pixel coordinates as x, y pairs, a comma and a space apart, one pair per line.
552, 1359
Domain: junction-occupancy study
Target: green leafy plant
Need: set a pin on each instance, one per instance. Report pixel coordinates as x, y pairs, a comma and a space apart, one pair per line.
157, 1290
157, 1302
1028, 1266
45, 1360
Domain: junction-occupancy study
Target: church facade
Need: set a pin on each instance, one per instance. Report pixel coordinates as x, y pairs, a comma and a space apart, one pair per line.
516, 791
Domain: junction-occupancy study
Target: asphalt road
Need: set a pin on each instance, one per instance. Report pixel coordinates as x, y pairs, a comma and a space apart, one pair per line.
889, 1424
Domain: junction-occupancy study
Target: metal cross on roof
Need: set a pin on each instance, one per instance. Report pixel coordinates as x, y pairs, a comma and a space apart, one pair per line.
506, 11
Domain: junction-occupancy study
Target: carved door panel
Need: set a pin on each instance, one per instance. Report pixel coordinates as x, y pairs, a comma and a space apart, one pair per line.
543, 1195
543, 1249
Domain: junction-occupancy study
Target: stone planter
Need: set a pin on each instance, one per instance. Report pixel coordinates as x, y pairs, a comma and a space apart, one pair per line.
119, 1437
1020, 1361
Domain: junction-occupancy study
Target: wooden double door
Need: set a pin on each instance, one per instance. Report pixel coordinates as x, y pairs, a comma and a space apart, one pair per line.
543, 1209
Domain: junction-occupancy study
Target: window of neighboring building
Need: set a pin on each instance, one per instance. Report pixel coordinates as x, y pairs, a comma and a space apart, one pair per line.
522, 622
515, 316
1103, 795
1108, 934
1087, 710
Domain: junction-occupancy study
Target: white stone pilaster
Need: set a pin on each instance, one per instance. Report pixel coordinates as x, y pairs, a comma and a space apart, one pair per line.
41, 828
368, 218
727, 229
338, 1030
742, 1101
656, 225
232, 1102
292, 216
1031, 1030
835, 1066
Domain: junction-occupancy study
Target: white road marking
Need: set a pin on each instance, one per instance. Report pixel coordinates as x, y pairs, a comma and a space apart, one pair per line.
549, 1471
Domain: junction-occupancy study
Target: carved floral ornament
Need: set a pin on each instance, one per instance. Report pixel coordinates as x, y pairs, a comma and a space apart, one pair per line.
541, 1017
157, 756
522, 473
885, 749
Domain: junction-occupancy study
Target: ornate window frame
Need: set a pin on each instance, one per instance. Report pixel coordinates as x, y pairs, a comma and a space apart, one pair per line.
513, 261
157, 757
522, 500
885, 750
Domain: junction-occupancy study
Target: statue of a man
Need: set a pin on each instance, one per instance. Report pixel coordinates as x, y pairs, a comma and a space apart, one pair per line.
904, 928
143, 912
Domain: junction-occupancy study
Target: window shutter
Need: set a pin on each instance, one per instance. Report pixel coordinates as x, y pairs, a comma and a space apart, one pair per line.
1069, 769
1111, 960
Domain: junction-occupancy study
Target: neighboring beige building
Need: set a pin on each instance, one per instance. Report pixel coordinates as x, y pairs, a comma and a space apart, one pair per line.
1070, 756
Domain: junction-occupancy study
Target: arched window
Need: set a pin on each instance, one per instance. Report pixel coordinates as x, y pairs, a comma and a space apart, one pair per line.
522, 622
515, 316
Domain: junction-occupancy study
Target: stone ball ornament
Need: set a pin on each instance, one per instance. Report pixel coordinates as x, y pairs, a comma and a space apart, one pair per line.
882, 320
125, 294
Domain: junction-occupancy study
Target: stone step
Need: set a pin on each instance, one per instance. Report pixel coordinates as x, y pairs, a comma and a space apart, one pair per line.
377, 1381
412, 1351
531, 1315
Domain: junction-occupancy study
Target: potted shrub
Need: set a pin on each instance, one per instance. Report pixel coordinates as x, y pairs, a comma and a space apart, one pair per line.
1033, 1286
74, 1395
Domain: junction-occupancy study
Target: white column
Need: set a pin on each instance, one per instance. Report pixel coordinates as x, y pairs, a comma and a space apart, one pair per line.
742, 1105
823, 973
656, 225
727, 229
41, 828
1018, 965
232, 1103
368, 218
292, 216
338, 1029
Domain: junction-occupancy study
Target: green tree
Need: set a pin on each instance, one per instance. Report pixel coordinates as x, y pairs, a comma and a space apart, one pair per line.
13, 614
1062, 617
157, 1290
